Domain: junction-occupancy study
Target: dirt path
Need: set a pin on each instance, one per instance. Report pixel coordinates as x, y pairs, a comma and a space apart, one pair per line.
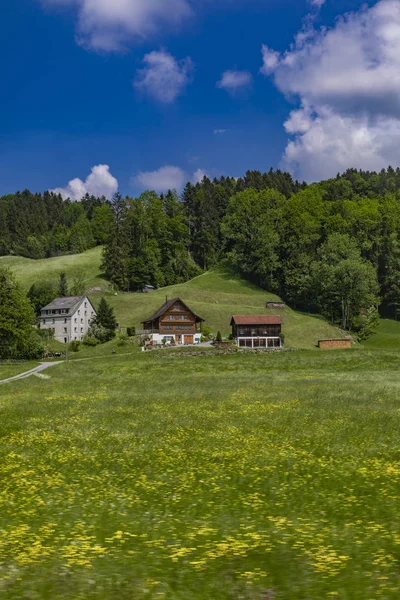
42, 367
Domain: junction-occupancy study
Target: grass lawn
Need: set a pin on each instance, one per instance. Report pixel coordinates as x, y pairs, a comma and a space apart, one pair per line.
10, 370
164, 476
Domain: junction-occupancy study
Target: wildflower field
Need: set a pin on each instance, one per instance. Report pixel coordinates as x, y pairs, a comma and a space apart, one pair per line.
152, 476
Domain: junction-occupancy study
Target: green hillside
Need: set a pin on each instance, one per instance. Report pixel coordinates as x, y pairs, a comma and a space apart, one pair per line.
29, 271
215, 296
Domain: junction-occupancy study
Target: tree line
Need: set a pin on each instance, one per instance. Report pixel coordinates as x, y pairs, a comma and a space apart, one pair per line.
332, 247
44, 225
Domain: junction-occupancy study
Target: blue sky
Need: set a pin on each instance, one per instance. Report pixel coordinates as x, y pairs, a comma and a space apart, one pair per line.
161, 92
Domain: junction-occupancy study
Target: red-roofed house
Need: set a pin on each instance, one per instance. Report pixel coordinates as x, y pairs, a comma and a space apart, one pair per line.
257, 331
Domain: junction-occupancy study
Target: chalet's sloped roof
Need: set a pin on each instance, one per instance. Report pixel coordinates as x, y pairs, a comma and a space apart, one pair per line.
68, 303
256, 320
165, 307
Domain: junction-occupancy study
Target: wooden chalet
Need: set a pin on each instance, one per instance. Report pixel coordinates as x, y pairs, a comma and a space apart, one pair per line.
175, 322
257, 331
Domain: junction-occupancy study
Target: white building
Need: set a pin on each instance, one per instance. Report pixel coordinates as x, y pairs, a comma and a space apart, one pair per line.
70, 318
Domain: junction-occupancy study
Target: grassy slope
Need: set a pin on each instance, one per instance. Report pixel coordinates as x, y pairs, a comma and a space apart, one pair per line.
387, 336
216, 296
28, 271
160, 476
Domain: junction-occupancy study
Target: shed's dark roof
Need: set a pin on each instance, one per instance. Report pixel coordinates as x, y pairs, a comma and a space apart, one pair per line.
166, 306
256, 320
67, 303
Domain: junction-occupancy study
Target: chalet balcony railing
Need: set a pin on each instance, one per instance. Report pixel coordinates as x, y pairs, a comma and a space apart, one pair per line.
167, 332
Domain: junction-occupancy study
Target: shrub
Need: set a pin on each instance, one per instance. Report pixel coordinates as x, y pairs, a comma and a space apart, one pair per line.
219, 337
90, 340
206, 331
101, 333
131, 331
122, 339
46, 334
74, 346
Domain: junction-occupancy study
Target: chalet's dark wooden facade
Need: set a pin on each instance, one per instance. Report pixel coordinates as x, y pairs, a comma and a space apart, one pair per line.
257, 331
174, 321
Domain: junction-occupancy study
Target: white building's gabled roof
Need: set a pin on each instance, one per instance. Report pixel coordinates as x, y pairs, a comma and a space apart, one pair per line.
69, 303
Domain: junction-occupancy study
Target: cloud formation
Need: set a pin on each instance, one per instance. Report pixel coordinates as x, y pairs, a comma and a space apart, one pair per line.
219, 131
107, 25
347, 82
99, 183
168, 178
163, 179
163, 77
233, 81
198, 176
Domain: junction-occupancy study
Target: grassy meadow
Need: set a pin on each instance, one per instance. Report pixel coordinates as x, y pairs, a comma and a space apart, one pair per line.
166, 476
12, 369
29, 271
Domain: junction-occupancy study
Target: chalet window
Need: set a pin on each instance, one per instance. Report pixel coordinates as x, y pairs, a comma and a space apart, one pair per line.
85, 304
54, 321
85, 313
44, 321
79, 312
241, 331
76, 329
65, 330
81, 320
65, 320
76, 320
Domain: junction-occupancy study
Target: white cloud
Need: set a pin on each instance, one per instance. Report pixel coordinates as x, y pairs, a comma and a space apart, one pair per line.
163, 77
198, 176
99, 183
219, 131
164, 179
347, 82
168, 178
107, 25
233, 81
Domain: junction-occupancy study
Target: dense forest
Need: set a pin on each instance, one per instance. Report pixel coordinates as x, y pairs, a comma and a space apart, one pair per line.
332, 247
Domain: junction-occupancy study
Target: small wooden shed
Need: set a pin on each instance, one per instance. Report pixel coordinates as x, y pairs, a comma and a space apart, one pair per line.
335, 343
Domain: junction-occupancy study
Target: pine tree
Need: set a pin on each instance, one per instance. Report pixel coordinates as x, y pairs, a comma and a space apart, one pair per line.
62, 285
105, 317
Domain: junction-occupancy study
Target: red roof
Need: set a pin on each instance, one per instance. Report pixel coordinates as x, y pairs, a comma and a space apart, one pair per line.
257, 320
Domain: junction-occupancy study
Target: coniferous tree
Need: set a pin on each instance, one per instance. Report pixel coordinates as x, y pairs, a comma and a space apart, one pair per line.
105, 318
